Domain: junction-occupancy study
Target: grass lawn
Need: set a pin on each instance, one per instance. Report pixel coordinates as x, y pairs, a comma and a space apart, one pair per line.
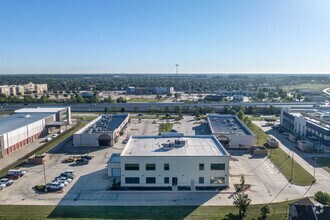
278, 211
146, 100
324, 162
318, 87
166, 127
282, 160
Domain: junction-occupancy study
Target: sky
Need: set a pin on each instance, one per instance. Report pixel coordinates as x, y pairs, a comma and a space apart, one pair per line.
151, 36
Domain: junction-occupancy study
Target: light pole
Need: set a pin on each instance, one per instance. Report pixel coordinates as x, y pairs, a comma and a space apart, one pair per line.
315, 158
292, 166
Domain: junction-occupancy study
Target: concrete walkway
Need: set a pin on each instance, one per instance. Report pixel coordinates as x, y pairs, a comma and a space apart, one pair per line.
304, 159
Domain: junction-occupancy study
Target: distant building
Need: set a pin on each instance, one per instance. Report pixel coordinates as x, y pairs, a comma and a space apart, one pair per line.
149, 90
172, 161
28, 125
230, 131
312, 125
104, 131
86, 94
22, 89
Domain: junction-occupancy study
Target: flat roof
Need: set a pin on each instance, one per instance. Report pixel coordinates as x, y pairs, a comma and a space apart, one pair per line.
201, 145
39, 110
227, 124
115, 158
15, 121
107, 123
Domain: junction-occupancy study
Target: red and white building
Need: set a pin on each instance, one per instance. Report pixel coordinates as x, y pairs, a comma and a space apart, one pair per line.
27, 126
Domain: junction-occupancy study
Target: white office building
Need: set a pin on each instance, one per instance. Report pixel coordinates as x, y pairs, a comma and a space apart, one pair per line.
172, 160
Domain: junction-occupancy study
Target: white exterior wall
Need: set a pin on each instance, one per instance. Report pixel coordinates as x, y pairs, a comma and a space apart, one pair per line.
185, 168
239, 141
300, 126
84, 140
22, 133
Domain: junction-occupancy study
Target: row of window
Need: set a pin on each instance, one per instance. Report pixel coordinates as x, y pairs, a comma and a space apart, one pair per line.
152, 166
152, 180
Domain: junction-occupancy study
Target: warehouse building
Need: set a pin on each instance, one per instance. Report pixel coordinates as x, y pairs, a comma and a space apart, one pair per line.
104, 131
172, 161
230, 131
312, 125
28, 125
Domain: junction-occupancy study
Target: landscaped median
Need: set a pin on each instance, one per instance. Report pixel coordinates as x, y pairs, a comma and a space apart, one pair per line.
277, 211
282, 160
165, 127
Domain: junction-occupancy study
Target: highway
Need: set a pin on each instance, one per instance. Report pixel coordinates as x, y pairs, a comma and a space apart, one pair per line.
100, 107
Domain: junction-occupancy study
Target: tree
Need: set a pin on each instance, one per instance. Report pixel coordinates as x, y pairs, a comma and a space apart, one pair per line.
80, 99
242, 184
322, 197
264, 211
177, 95
242, 202
260, 95
240, 114
122, 110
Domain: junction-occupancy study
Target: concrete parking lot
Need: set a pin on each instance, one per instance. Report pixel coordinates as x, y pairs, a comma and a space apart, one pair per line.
91, 182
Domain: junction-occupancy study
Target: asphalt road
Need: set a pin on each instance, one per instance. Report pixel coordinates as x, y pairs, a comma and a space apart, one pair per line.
99, 107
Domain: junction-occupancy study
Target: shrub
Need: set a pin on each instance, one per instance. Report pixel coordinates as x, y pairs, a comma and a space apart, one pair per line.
322, 197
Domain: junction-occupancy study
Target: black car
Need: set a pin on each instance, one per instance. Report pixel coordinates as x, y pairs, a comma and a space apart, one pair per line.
87, 157
82, 161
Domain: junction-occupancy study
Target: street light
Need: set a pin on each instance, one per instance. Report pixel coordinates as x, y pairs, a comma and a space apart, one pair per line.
315, 158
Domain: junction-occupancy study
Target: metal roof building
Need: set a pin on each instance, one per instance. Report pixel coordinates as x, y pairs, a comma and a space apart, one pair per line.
231, 131
102, 131
28, 125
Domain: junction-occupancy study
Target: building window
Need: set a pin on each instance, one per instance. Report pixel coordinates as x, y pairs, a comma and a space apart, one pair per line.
166, 180
132, 180
166, 166
201, 180
151, 180
132, 166
217, 180
201, 166
217, 166
150, 166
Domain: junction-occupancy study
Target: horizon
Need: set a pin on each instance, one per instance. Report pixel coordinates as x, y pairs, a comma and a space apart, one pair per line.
147, 37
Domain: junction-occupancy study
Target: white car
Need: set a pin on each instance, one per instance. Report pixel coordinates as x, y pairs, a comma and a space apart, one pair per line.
6, 182
71, 172
62, 178
54, 186
65, 183
49, 138
2, 186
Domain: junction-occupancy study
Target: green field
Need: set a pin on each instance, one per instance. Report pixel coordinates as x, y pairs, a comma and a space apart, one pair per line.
318, 87
278, 211
282, 160
166, 127
324, 162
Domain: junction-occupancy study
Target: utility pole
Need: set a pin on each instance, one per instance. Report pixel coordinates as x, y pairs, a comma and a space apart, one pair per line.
44, 173
292, 165
315, 168
177, 69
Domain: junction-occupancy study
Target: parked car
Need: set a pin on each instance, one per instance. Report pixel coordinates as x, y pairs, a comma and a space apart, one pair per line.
69, 159
60, 131
16, 172
6, 181
65, 183
54, 135
54, 186
63, 178
49, 138
87, 157
67, 175
69, 172
82, 161
2, 186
